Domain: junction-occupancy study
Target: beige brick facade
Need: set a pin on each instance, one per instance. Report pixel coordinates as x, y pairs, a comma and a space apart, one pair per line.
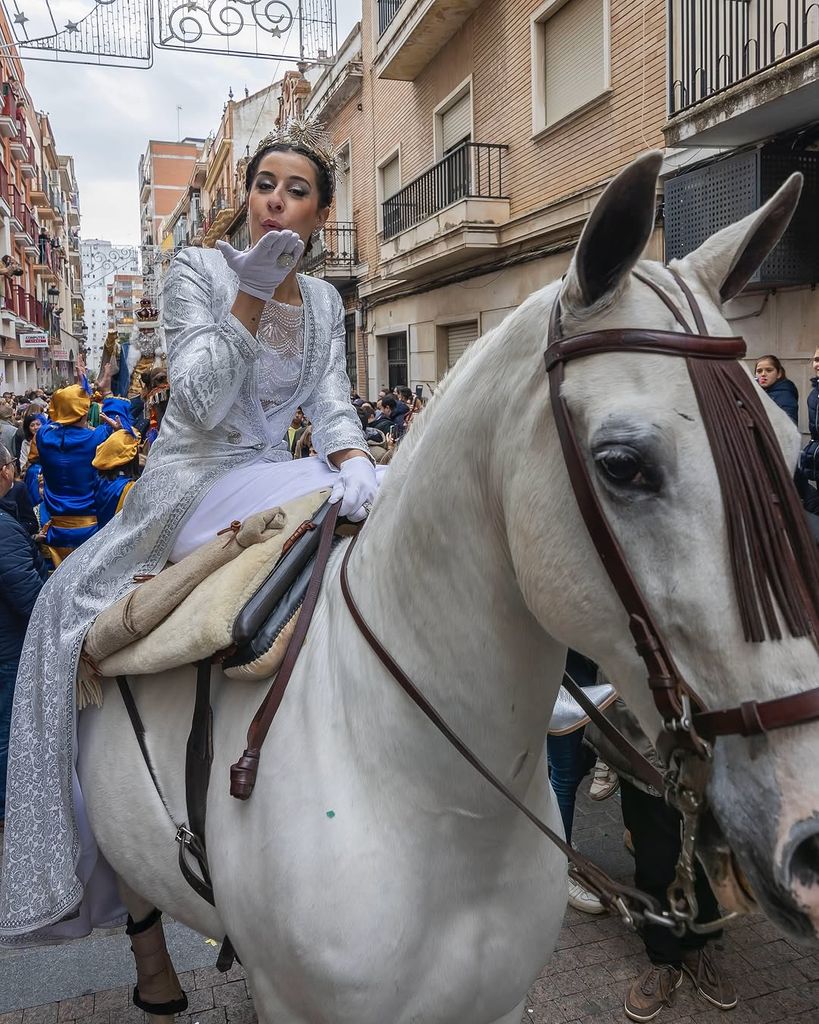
550, 178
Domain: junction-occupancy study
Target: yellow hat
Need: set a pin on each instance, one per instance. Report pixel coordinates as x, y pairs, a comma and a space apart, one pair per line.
118, 450
68, 405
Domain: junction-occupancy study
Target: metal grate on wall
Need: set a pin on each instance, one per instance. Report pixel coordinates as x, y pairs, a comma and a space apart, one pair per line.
704, 200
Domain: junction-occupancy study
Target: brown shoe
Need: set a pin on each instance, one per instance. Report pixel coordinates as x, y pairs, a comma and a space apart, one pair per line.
653, 990
708, 981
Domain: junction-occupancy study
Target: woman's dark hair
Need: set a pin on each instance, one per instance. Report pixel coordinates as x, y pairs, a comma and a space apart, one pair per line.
28, 419
780, 369
324, 177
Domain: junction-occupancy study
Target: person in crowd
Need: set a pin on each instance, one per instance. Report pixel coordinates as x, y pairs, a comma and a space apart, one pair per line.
117, 466
249, 341
67, 447
17, 503
156, 403
770, 375
297, 427
654, 829
391, 417
22, 574
809, 459
569, 762
8, 428
33, 475
32, 421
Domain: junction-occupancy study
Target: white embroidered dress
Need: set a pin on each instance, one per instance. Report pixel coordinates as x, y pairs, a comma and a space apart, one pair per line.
233, 397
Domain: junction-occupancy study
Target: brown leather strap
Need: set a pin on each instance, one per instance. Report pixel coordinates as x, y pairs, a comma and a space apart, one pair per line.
184, 835
582, 868
243, 773
699, 319
664, 343
751, 717
642, 768
669, 302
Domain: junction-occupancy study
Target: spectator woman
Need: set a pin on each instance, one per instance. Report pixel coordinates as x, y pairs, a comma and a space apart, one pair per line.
770, 375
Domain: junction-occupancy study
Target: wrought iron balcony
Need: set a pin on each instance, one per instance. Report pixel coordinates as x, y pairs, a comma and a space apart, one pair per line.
716, 44
387, 10
334, 254
473, 171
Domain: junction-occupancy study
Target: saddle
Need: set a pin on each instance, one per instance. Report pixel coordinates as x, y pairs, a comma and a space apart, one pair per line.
235, 600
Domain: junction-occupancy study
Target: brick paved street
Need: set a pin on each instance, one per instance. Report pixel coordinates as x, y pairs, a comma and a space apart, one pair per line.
584, 983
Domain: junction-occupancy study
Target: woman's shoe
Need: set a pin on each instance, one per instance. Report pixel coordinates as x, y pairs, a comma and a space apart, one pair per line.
583, 900
605, 781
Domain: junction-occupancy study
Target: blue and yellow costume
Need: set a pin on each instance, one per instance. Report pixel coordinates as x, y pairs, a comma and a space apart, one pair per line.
66, 450
114, 461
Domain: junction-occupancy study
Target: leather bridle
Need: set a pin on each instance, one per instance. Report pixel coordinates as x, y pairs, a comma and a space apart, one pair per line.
689, 728
682, 710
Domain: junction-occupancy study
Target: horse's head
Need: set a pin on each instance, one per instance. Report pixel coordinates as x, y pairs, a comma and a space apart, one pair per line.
701, 567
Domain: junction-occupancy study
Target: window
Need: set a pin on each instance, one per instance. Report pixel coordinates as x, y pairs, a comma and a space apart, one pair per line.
349, 338
454, 123
344, 206
570, 42
389, 183
397, 359
459, 337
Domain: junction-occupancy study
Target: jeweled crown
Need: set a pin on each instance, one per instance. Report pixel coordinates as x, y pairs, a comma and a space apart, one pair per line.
307, 133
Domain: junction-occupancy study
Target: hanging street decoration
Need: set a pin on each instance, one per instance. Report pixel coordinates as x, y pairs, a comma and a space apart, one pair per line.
126, 33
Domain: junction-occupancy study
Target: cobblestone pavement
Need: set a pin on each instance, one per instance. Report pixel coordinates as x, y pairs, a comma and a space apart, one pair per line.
584, 983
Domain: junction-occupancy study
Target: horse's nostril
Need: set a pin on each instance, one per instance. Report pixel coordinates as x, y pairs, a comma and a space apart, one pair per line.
804, 866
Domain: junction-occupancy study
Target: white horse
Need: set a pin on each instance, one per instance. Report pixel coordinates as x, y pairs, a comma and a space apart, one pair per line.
373, 875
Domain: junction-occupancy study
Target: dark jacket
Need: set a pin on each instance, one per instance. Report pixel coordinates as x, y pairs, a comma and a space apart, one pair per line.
22, 574
18, 504
809, 459
784, 393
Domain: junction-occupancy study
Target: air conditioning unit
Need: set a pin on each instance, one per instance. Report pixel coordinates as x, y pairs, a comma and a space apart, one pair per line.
701, 201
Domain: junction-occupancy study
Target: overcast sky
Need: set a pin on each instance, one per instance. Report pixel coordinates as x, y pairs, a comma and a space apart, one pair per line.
105, 116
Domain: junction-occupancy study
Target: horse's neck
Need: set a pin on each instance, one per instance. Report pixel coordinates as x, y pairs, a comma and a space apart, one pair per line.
433, 579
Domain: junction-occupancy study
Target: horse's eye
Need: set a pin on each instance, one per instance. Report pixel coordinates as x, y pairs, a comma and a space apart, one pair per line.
623, 465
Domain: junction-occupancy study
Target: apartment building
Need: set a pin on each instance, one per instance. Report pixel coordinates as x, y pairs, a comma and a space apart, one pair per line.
743, 109
474, 139
41, 325
101, 259
212, 205
164, 171
123, 295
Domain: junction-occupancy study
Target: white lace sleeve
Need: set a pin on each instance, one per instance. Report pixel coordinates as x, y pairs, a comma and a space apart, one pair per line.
207, 361
336, 425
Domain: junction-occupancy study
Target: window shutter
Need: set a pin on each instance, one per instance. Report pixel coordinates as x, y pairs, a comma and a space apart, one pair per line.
456, 123
390, 178
459, 337
574, 55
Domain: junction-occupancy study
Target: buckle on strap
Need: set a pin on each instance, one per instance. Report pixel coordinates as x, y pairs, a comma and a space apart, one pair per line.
184, 836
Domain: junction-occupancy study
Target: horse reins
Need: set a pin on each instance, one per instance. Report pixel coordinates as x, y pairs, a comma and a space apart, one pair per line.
690, 728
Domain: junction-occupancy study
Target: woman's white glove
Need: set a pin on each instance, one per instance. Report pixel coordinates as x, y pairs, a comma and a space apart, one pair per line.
356, 484
263, 268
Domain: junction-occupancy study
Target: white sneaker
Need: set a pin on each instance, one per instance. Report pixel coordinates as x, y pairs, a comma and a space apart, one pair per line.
583, 900
605, 782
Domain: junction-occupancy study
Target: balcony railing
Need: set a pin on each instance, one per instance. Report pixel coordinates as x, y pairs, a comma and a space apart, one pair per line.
335, 249
23, 304
387, 10
473, 171
714, 44
4, 183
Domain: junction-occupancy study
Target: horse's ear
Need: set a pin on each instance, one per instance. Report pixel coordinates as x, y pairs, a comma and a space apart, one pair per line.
616, 232
727, 260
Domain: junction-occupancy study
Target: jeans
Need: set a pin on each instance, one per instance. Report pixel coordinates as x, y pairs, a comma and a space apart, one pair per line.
655, 833
568, 759
8, 676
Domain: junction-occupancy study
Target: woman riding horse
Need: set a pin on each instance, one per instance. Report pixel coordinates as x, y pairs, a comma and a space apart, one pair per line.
249, 341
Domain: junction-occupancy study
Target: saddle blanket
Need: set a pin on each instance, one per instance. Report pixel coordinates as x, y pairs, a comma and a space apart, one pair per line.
187, 612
